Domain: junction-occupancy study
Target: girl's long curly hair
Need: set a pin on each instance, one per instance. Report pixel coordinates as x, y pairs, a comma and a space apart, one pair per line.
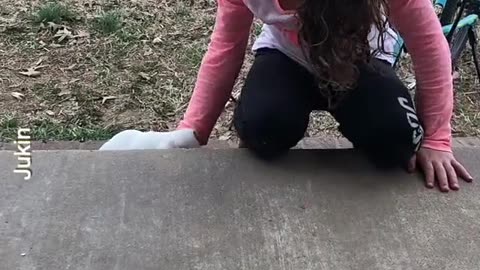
334, 35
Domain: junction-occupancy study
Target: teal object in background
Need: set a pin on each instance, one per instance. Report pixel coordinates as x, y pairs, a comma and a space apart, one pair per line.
470, 20
441, 2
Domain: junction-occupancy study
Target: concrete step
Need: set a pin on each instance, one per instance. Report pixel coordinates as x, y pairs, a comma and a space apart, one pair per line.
307, 143
224, 209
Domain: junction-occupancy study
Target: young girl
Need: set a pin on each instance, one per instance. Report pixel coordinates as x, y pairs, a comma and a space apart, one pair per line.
333, 55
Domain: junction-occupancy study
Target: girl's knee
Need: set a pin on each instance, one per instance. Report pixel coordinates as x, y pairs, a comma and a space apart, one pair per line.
270, 133
394, 148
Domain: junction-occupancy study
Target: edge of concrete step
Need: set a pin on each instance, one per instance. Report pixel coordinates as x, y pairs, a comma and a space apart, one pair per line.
307, 143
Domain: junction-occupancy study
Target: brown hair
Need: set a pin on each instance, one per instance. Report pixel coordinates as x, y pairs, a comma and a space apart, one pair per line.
334, 34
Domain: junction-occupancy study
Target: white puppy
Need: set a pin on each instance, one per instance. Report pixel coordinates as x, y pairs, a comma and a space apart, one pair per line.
138, 140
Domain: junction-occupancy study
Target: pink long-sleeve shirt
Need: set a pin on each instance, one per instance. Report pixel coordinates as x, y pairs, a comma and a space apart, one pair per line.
415, 20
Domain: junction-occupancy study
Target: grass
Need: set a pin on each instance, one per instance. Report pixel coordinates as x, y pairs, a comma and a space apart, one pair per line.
193, 55
54, 12
8, 128
45, 130
48, 130
130, 64
108, 22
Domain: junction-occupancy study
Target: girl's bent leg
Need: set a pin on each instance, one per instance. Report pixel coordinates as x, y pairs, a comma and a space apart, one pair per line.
379, 117
274, 107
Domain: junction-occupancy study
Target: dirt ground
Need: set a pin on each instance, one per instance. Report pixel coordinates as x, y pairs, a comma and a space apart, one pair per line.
109, 65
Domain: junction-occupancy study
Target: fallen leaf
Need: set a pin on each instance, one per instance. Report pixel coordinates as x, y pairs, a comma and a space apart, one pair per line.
63, 34
31, 72
64, 93
39, 62
7, 20
409, 79
412, 85
49, 112
71, 67
74, 81
148, 53
17, 95
456, 75
105, 99
53, 25
224, 138
82, 34
15, 85
144, 76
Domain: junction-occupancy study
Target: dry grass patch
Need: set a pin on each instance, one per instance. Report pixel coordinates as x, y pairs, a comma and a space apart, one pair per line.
85, 69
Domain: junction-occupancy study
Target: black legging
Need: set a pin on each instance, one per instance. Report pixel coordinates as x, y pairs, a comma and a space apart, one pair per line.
279, 94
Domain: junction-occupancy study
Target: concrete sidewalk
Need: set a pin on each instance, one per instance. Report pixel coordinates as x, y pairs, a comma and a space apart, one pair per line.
223, 209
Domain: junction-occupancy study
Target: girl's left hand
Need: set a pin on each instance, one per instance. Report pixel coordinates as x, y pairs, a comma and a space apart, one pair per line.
439, 166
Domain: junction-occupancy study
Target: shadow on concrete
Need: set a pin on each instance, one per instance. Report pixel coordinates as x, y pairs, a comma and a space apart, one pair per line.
223, 209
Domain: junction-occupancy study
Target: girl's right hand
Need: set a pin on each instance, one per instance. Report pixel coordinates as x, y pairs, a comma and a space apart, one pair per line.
137, 140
